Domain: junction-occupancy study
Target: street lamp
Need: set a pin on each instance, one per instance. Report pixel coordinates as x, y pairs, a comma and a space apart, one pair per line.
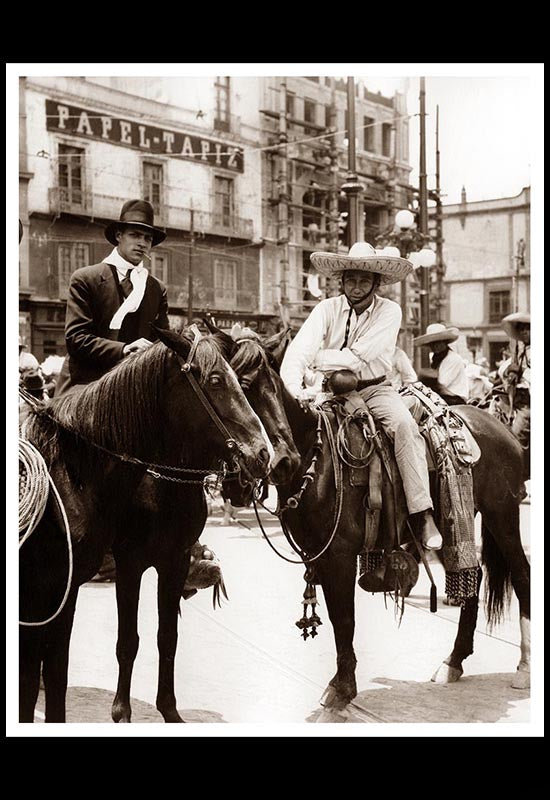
405, 240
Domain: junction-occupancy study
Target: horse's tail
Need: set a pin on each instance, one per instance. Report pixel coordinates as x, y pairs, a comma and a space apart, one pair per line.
498, 585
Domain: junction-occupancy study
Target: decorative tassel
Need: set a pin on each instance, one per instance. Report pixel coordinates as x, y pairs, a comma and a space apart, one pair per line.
433, 598
313, 621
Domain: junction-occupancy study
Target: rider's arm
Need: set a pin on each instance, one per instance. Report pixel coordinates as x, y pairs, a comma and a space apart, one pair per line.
301, 351
374, 348
80, 328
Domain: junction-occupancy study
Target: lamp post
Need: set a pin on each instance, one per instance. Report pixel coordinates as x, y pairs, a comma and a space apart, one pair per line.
405, 240
352, 187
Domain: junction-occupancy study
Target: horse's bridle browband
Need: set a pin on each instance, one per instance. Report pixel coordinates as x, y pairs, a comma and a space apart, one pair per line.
231, 444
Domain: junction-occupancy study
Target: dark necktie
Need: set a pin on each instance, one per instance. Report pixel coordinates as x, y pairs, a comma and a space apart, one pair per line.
348, 323
126, 284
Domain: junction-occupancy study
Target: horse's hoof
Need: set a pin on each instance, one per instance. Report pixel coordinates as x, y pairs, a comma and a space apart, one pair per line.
522, 679
447, 674
172, 716
332, 715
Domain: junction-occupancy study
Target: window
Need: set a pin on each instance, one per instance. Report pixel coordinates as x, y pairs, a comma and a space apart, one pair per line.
225, 283
49, 347
368, 134
152, 184
386, 139
70, 256
223, 201
71, 175
499, 305
310, 108
327, 116
221, 121
159, 266
290, 98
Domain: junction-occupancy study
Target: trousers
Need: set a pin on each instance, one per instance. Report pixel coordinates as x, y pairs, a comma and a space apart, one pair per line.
391, 410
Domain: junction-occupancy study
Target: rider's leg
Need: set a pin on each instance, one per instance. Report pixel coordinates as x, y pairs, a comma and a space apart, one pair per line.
388, 408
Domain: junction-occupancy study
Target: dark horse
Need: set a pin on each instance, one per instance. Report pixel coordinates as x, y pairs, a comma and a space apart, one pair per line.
113, 449
498, 490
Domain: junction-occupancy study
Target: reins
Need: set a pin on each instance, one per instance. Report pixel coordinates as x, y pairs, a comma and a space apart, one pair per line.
294, 501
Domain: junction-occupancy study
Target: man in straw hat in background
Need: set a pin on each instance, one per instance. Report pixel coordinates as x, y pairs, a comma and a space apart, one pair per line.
447, 375
357, 331
515, 374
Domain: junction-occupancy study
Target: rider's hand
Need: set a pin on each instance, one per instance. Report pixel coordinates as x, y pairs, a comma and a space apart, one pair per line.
137, 346
306, 398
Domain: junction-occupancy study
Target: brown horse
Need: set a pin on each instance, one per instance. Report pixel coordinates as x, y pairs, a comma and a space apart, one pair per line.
128, 454
498, 490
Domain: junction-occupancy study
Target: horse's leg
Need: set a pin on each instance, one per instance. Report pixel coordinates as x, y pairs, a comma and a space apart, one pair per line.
170, 583
29, 672
128, 581
56, 661
451, 669
503, 527
337, 575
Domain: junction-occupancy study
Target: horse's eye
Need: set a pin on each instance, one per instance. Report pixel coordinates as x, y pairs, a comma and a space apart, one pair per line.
215, 380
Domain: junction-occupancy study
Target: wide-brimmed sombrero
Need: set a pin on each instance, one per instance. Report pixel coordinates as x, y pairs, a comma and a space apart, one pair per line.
511, 322
436, 332
363, 256
135, 212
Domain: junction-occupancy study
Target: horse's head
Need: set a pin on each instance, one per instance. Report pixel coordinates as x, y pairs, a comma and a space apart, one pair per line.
205, 389
263, 389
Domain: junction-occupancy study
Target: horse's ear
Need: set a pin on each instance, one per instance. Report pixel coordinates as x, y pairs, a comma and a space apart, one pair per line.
276, 345
175, 341
226, 342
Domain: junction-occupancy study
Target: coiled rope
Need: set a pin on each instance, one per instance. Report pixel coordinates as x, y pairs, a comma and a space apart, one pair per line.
34, 483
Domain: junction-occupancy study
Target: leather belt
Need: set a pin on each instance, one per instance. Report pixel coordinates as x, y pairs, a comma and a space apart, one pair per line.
372, 382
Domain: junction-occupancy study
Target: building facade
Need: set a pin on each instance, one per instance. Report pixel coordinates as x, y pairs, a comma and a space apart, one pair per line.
243, 198
488, 267
304, 166
90, 144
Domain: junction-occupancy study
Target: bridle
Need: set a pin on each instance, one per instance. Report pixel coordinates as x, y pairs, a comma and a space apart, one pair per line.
227, 472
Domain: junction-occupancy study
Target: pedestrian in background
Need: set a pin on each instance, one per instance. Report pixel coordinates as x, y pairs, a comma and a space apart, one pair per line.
402, 371
447, 372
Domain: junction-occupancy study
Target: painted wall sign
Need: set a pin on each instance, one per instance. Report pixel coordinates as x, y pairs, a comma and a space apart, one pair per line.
146, 138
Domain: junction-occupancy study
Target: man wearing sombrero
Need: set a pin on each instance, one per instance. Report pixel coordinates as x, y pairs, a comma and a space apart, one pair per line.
447, 376
357, 331
110, 305
515, 373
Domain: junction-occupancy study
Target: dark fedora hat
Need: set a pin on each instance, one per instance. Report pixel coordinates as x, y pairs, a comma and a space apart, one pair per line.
34, 382
138, 213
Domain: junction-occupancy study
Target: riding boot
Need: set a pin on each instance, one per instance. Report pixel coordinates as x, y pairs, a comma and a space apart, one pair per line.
427, 530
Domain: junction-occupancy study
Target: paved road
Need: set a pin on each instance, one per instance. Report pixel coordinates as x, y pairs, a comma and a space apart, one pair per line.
246, 662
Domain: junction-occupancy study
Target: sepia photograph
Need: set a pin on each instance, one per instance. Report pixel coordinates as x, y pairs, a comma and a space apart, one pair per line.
274, 412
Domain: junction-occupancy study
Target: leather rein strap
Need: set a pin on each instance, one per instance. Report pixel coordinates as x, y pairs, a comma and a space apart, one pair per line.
185, 367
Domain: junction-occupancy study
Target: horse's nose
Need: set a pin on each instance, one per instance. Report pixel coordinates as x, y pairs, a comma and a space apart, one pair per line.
280, 470
264, 457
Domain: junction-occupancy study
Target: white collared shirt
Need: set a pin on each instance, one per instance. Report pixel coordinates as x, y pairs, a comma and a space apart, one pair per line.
452, 375
316, 347
122, 266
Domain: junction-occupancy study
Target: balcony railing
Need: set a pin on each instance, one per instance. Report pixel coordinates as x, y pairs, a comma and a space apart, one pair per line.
108, 207
208, 297
71, 201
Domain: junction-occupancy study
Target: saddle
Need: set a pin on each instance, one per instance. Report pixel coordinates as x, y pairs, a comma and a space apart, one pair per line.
451, 451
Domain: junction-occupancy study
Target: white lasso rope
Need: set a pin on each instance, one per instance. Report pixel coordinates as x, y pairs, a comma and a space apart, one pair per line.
32, 506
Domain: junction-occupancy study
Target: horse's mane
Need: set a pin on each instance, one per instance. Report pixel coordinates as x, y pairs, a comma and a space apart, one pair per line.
119, 411
249, 356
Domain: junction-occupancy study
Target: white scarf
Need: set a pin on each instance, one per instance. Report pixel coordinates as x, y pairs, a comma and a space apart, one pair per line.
138, 278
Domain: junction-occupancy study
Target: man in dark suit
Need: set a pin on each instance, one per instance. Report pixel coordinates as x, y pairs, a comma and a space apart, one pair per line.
111, 305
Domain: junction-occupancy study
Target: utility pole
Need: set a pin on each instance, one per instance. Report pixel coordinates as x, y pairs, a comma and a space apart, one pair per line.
283, 198
352, 187
423, 220
439, 225
190, 284
334, 189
